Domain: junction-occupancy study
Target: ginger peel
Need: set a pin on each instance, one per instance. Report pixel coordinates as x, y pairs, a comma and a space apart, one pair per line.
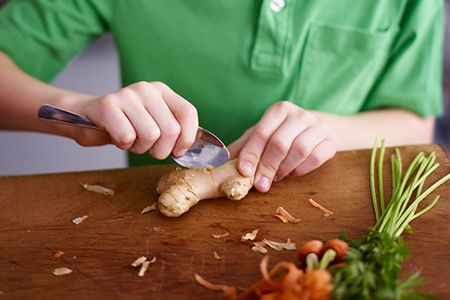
183, 188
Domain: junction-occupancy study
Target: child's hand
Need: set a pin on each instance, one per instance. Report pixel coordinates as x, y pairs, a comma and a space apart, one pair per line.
288, 140
142, 117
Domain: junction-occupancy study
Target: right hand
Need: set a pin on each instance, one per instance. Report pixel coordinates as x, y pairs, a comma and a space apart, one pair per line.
142, 117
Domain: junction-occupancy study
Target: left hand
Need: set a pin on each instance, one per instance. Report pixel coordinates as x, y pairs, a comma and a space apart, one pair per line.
288, 140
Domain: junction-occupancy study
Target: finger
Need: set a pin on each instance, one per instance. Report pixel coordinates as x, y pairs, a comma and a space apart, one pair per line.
110, 117
162, 115
276, 150
186, 115
251, 152
237, 145
301, 148
147, 131
323, 152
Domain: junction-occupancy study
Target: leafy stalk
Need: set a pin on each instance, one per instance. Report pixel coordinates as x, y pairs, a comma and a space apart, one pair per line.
373, 263
380, 176
372, 182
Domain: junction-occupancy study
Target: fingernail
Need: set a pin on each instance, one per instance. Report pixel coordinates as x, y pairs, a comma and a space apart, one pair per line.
263, 183
180, 152
247, 168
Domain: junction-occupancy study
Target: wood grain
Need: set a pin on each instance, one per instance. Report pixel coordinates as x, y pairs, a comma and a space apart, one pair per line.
36, 213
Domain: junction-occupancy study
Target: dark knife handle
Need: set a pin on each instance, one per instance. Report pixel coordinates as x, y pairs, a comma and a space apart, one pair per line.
59, 115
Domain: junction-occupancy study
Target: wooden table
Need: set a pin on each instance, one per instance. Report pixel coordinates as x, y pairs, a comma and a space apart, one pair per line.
36, 213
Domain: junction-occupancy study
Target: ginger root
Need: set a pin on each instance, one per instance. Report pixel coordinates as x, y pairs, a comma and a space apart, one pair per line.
183, 188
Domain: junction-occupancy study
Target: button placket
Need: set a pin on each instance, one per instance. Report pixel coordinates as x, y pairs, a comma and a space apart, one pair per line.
271, 37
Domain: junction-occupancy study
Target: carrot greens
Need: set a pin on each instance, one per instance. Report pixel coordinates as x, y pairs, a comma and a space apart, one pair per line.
373, 264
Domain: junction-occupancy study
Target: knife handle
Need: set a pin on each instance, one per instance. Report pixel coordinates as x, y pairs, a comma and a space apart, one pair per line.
55, 114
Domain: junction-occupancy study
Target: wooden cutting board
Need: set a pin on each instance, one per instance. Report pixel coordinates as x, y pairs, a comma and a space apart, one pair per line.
36, 213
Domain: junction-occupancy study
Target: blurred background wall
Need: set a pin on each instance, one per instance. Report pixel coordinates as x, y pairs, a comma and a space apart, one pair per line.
96, 72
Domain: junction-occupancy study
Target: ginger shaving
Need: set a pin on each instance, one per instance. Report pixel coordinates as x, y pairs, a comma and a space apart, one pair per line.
220, 235
283, 219
326, 212
284, 216
288, 245
250, 236
78, 220
58, 254
259, 247
98, 189
144, 268
227, 290
139, 261
216, 255
149, 208
263, 268
62, 271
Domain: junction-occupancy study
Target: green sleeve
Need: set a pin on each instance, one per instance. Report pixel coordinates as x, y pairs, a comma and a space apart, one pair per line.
412, 78
42, 36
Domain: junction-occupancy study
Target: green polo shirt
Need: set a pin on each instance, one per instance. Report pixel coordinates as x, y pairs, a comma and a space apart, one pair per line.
234, 58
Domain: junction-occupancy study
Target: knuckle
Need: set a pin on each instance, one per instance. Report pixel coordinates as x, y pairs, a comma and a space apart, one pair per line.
185, 141
125, 140
107, 101
189, 110
300, 148
105, 107
158, 154
261, 134
301, 113
138, 149
155, 134
172, 130
279, 147
158, 85
144, 88
283, 107
140, 85
268, 168
125, 95
186, 112
148, 137
249, 155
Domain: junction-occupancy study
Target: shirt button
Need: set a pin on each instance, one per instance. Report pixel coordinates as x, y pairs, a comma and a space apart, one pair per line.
277, 5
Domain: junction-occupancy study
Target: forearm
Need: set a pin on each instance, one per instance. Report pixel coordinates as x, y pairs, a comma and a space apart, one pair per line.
21, 96
396, 126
